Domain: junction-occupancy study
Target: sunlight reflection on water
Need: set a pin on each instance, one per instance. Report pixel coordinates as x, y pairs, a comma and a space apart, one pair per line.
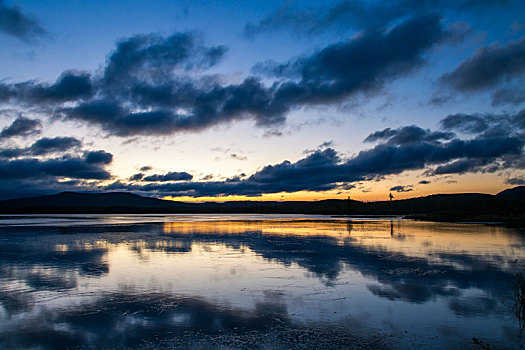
128, 280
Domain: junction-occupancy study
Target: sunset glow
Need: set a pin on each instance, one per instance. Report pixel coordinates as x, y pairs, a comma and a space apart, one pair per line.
274, 100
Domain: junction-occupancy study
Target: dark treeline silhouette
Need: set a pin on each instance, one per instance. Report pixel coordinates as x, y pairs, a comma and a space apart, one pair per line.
506, 206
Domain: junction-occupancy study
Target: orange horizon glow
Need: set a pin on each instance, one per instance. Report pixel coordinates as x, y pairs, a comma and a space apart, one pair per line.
373, 191
312, 197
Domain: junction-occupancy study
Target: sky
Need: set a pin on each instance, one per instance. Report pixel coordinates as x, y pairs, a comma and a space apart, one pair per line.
262, 100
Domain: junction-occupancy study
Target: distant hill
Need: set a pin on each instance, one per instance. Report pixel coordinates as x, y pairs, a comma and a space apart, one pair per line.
89, 200
516, 193
73, 202
508, 206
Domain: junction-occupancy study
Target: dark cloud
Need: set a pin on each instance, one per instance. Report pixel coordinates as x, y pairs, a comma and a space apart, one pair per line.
146, 168
345, 14
70, 86
145, 90
401, 188
238, 156
487, 125
101, 112
408, 134
5, 92
117, 120
220, 105
159, 85
136, 177
135, 75
326, 169
354, 14
30, 176
380, 135
43, 146
171, 176
21, 126
326, 144
12, 152
152, 57
424, 182
458, 167
362, 64
285, 176
98, 157
489, 66
15, 23
469, 123
56, 144
515, 181
72, 167
495, 143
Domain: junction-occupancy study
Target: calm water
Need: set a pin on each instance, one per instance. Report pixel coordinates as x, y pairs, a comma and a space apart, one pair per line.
241, 281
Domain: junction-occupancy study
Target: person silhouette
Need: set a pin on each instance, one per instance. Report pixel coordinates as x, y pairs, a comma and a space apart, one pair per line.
391, 196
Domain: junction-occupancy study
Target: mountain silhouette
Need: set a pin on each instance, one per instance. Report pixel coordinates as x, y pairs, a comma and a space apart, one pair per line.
516, 193
508, 206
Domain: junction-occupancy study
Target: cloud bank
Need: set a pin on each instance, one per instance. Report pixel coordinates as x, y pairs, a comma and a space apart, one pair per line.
488, 149
156, 85
487, 146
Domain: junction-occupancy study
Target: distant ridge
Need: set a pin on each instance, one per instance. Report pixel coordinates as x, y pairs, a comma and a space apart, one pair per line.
506, 206
516, 193
85, 200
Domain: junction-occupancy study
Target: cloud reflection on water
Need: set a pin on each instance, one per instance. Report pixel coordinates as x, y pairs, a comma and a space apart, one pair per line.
117, 284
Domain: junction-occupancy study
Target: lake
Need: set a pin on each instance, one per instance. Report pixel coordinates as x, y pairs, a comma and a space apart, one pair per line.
256, 281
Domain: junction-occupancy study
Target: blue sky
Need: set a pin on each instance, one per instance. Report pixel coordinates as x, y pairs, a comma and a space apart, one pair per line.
262, 100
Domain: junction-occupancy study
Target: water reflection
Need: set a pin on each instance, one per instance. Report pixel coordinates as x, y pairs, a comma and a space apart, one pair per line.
174, 282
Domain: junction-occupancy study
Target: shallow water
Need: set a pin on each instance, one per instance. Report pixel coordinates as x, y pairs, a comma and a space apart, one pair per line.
241, 281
